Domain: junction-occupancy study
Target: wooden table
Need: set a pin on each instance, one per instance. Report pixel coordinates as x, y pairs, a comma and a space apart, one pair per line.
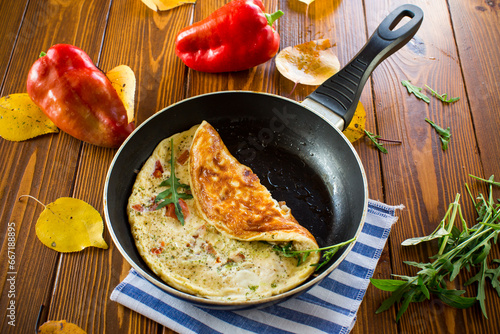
457, 50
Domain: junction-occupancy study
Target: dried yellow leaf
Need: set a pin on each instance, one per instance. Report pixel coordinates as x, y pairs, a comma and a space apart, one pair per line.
70, 225
123, 80
60, 327
356, 128
161, 5
21, 119
310, 63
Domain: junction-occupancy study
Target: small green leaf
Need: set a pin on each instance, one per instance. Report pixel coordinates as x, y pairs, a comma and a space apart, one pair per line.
417, 91
482, 255
481, 296
394, 298
493, 275
425, 291
417, 264
443, 97
456, 269
387, 284
487, 181
446, 263
441, 232
171, 194
444, 134
457, 301
407, 299
373, 137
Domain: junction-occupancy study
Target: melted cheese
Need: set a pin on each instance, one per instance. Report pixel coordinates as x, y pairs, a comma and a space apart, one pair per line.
197, 257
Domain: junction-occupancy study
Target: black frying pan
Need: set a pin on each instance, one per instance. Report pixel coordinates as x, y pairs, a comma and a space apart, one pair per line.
296, 149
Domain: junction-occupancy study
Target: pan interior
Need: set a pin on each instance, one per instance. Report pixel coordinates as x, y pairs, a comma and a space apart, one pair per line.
298, 156
283, 166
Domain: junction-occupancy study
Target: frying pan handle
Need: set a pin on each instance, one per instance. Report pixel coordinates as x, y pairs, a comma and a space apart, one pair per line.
341, 92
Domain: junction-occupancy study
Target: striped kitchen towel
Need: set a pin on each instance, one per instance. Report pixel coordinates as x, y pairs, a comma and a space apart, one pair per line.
329, 307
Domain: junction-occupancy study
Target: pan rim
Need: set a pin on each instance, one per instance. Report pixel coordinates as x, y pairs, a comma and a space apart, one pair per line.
205, 302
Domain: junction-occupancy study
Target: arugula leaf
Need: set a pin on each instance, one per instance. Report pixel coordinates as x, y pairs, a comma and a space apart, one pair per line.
487, 181
493, 275
467, 249
171, 194
373, 138
444, 134
377, 140
417, 91
481, 296
443, 97
417, 264
395, 297
301, 256
438, 233
454, 298
387, 284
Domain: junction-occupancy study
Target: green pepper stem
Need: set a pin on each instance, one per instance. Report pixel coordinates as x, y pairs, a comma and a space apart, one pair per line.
273, 17
43, 53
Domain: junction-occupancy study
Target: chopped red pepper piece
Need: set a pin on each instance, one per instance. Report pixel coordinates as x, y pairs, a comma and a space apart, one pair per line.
170, 209
138, 207
183, 157
158, 250
158, 172
78, 97
235, 37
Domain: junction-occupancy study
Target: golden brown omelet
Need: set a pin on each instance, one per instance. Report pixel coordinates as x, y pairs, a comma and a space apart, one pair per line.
230, 196
212, 256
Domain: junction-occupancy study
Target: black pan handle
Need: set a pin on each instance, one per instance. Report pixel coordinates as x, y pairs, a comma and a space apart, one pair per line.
341, 92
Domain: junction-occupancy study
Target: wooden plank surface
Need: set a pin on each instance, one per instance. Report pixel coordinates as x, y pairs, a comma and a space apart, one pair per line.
44, 167
11, 16
159, 85
476, 26
426, 177
455, 51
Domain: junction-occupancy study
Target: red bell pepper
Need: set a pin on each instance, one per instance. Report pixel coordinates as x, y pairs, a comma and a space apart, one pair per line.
78, 97
235, 37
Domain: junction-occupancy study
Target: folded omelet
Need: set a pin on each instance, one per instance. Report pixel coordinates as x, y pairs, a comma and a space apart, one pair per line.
224, 249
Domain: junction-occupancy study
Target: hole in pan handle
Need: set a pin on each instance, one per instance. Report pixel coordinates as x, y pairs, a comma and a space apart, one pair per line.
340, 94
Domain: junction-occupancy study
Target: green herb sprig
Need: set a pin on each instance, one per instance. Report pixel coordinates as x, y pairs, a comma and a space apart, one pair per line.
443, 97
417, 91
171, 194
286, 250
444, 134
376, 139
458, 249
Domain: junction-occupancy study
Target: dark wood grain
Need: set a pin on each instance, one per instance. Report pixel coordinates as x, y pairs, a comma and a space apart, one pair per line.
476, 26
11, 16
419, 171
44, 167
93, 277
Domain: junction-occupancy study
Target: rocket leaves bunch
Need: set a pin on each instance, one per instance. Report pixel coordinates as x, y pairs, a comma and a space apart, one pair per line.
465, 248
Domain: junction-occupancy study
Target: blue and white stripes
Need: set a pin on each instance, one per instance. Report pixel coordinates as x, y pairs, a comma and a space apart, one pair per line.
329, 307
